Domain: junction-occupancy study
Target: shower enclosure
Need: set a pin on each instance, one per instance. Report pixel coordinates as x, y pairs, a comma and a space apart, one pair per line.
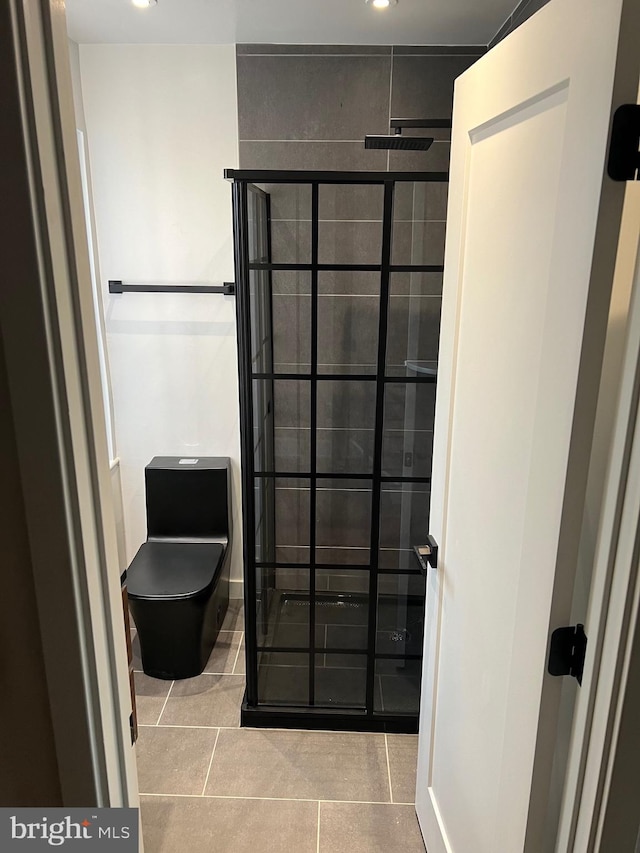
339, 278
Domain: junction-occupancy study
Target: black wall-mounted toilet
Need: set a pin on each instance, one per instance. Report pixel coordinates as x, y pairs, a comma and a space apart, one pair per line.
178, 582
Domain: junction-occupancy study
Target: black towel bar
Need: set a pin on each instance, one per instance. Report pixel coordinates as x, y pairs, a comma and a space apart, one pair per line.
228, 288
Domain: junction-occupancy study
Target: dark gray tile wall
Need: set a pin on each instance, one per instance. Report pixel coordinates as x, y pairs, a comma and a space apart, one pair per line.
310, 107
524, 10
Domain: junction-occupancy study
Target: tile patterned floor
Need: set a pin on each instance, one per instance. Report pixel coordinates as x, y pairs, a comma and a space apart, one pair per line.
208, 786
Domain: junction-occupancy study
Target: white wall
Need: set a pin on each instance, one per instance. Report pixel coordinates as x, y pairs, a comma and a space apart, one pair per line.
81, 127
161, 126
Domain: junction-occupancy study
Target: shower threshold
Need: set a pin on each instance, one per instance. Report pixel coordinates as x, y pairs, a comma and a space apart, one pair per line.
340, 673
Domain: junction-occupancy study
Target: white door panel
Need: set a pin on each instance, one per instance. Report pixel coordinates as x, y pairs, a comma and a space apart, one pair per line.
530, 250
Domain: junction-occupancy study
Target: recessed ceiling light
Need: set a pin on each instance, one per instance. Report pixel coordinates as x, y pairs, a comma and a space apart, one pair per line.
144, 4
381, 4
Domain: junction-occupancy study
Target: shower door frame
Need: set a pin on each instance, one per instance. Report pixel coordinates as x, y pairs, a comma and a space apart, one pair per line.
257, 714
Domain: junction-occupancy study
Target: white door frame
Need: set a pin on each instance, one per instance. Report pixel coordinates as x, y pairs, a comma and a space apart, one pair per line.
51, 350
613, 607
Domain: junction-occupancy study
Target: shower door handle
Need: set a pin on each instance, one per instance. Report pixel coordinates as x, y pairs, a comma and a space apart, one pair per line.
427, 553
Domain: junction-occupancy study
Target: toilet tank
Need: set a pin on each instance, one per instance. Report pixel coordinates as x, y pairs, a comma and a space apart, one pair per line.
188, 498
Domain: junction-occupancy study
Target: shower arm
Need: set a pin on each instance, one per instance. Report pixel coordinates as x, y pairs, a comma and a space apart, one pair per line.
398, 124
414, 143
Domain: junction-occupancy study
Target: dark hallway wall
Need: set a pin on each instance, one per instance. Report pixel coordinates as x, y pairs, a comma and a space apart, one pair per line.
28, 765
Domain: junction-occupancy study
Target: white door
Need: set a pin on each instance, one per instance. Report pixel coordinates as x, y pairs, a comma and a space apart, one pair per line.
531, 238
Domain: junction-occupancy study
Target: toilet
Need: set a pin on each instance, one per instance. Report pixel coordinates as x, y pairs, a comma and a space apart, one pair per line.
178, 582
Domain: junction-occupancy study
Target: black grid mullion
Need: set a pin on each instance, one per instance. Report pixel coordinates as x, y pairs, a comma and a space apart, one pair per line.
300, 267
387, 236
426, 379
313, 440
305, 475
240, 222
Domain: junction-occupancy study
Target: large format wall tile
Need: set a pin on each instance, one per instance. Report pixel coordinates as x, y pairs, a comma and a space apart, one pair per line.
348, 333
345, 451
344, 404
420, 200
413, 330
312, 97
423, 85
292, 333
343, 517
350, 242
292, 516
324, 156
436, 159
315, 49
361, 202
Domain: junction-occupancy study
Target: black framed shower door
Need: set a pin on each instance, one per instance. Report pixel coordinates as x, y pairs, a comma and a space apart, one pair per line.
338, 280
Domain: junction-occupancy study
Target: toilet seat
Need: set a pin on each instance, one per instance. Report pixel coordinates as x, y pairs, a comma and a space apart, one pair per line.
174, 570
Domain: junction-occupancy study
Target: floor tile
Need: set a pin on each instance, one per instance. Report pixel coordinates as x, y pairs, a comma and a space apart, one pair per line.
174, 761
208, 700
224, 652
135, 648
240, 667
289, 764
403, 760
171, 824
364, 828
150, 697
234, 617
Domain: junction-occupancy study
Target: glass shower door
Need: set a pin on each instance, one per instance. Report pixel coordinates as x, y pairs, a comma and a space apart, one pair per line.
338, 301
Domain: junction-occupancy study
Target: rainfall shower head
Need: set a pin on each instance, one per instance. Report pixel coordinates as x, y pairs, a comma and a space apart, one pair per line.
399, 142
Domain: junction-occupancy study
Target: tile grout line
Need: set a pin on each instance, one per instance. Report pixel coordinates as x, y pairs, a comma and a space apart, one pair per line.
165, 704
322, 141
235, 663
318, 834
278, 799
298, 731
213, 752
359, 222
386, 748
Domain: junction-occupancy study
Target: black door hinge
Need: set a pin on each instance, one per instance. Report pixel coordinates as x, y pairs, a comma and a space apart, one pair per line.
624, 150
567, 652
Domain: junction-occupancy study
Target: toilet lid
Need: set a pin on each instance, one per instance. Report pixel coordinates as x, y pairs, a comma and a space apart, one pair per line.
173, 569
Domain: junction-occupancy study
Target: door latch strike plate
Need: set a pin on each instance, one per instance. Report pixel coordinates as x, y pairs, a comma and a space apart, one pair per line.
427, 553
567, 652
